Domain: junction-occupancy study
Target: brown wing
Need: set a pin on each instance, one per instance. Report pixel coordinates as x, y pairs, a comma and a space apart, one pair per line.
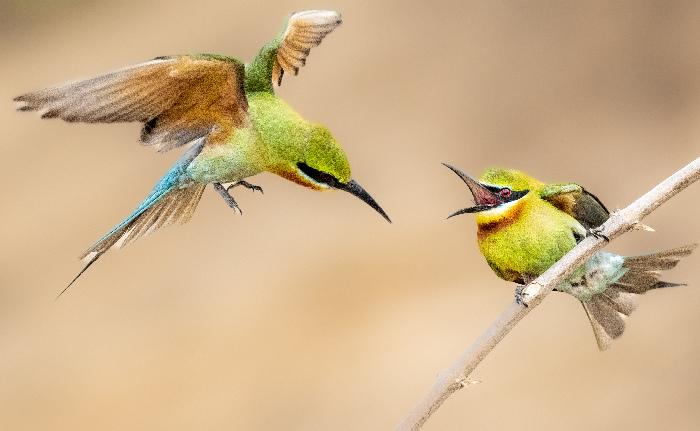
305, 30
589, 210
578, 203
179, 99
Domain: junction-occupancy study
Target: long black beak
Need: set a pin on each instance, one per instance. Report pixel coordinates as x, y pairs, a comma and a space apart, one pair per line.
484, 198
355, 189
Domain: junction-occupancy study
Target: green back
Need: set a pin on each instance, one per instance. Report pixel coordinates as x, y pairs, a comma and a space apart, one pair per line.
290, 139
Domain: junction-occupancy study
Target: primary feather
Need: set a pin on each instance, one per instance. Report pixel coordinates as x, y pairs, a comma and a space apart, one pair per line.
226, 112
305, 30
179, 99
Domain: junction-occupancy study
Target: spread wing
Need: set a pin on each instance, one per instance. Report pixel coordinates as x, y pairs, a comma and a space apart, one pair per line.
305, 30
179, 99
578, 203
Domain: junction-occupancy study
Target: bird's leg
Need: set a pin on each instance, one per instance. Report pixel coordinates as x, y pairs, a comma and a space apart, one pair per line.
247, 185
597, 232
223, 191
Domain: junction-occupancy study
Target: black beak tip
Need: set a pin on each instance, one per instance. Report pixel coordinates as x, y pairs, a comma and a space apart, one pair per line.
449, 166
466, 178
356, 190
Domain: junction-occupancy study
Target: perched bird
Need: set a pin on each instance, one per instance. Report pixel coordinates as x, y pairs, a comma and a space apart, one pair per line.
525, 226
225, 112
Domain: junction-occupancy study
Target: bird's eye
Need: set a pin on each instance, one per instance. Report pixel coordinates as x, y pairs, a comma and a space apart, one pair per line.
505, 193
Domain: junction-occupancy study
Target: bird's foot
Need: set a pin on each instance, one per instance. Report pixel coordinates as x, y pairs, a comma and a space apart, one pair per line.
520, 295
223, 191
597, 232
247, 185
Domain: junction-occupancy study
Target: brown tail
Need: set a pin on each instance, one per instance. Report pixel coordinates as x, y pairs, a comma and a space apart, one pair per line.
608, 310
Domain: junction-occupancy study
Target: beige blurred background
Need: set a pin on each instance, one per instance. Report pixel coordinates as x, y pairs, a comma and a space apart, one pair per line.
310, 312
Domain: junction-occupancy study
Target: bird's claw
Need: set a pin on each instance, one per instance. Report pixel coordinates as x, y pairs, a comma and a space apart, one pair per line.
597, 232
520, 296
247, 185
223, 191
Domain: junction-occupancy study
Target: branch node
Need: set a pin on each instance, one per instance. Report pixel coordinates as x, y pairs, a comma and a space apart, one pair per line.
644, 227
462, 382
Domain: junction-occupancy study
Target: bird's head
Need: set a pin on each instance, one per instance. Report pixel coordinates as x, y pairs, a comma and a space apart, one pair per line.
323, 165
498, 194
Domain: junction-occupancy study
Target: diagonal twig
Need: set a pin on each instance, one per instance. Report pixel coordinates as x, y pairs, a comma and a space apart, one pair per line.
620, 222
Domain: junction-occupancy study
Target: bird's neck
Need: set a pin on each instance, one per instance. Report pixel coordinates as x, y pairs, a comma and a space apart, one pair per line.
281, 130
258, 71
495, 220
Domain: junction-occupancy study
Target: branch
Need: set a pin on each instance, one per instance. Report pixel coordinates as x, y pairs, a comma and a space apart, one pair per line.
620, 222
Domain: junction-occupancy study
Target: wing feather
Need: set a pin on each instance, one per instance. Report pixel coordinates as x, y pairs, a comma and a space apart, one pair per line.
305, 30
179, 99
578, 202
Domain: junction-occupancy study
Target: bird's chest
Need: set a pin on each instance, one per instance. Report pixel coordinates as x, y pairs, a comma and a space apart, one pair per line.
526, 247
239, 157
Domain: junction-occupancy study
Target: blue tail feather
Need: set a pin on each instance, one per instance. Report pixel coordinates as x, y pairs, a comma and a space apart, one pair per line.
170, 195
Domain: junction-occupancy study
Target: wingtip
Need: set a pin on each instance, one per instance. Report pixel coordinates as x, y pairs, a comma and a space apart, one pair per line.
320, 16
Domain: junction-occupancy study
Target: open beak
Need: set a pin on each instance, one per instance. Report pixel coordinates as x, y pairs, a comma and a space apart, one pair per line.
355, 189
484, 199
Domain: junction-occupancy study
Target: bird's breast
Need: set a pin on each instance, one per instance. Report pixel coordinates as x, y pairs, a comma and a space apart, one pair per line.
239, 157
526, 244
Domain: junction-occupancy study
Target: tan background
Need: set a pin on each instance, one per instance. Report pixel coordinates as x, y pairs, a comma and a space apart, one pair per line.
310, 312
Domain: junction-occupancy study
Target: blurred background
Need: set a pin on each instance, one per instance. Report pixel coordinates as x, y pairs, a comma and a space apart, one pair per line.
310, 312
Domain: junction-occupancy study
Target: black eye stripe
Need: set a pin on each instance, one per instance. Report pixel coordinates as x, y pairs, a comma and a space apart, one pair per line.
514, 195
318, 176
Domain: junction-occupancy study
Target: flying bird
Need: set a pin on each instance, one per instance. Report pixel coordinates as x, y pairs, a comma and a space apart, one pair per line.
224, 112
524, 226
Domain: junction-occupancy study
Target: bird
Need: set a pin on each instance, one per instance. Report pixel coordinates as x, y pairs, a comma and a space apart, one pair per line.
226, 115
524, 226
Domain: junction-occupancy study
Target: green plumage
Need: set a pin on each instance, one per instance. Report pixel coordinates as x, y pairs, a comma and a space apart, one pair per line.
225, 112
521, 239
525, 226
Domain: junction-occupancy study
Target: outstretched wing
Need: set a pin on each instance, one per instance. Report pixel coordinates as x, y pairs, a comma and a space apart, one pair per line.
577, 202
179, 99
305, 30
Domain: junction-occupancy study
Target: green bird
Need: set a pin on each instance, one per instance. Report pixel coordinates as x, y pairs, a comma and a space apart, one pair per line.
227, 115
524, 226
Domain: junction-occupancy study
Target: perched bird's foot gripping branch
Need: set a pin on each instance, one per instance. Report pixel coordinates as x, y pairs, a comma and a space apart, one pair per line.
520, 296
597, 232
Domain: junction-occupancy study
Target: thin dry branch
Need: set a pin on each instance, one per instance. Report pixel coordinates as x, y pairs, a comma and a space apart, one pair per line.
620, 222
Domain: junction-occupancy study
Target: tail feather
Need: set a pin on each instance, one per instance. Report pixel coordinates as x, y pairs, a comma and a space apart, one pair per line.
168, 207
607, 323
175, 206
609, 309
662, 260
169, 202
621, 301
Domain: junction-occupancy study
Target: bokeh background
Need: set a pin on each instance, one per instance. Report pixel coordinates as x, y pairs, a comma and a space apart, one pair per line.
310, 312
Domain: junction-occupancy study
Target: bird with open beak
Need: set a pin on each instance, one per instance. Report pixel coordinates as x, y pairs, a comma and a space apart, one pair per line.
524, 226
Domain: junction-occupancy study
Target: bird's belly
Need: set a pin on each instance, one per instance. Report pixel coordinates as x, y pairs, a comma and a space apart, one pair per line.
521, 252
227, 162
